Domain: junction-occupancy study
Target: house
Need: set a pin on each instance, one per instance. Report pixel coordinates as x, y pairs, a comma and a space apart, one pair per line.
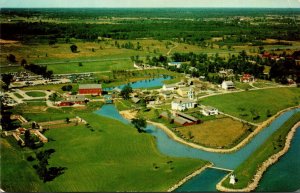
247, 78
207, 111
185, 119
93, 89
165, 115
174, 64
135, 100
170, 87
183, 91
227, 85
108, 99
72, 99
182, 104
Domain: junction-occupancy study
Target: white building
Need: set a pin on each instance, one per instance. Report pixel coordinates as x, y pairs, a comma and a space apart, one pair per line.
232, 179
227, 85
207, 111
170, 87
182, 104
176, 64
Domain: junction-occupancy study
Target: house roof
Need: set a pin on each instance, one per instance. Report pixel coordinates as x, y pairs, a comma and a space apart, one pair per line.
117, 89
228, 83
74, 98
170, 85
135, 99
90, 86
184, 88
183, 100
181, 120
209, 108
174, 63
188, 117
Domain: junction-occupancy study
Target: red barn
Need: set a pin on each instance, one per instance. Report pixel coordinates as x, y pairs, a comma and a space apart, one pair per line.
93, 89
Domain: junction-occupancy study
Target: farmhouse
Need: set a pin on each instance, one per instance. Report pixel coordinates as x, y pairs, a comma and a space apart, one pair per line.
247, 78
182, 104
186, 92
170, 87
227, 85
135, 100
72, 99
207, 111
93, 89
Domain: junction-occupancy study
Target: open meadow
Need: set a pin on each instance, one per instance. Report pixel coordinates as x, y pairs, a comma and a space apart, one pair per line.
255, 105
97, 158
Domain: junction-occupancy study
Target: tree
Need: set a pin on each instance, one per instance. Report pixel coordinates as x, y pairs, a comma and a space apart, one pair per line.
29, 141
139, 123
126, 91
7, 79
68, 120
73, 48
67, 88
11, 58
80, 64
54, 97
23, 62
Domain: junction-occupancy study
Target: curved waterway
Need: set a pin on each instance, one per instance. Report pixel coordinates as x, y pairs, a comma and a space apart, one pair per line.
229, 161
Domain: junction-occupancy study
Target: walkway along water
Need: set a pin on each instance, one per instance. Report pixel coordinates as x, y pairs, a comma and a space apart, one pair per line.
176, 149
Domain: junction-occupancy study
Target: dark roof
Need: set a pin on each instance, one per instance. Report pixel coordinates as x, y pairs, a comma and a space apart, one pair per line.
89, 86
189, 117
181, 120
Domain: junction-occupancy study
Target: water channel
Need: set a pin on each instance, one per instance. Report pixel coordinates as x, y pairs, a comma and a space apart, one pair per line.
207, 180
148, 83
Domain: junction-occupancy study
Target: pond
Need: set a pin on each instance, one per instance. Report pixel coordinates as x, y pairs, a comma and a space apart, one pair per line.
148, 83
230, 161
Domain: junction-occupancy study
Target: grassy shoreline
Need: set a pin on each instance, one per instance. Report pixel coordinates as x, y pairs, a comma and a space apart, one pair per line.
269, 150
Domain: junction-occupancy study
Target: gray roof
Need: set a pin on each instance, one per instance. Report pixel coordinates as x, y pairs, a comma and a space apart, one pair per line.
74, 98
183, 100
89, 86
209, 108
135, 99
189, 117
229, 83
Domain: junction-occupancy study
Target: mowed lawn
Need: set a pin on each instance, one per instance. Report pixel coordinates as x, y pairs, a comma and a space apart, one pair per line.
35, 94
223, 132
109, 156
260, 101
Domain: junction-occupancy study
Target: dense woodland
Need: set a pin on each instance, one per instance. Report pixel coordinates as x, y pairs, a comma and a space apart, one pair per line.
187, 25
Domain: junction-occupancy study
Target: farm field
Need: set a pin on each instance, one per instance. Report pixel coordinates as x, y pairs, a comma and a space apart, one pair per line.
246, 105
222, 132
98, 154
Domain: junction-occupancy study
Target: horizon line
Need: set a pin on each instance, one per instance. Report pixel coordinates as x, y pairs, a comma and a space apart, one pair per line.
148, 7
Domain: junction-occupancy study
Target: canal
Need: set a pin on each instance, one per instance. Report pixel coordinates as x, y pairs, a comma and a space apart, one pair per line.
230, 161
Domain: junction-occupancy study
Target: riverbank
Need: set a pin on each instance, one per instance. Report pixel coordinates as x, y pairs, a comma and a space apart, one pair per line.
129, 114
187, 178
259, 173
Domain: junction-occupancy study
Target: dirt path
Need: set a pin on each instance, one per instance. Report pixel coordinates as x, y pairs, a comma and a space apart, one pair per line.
168, 53
259, 173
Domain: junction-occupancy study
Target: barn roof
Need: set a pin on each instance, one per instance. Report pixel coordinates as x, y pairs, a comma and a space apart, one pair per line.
90, 86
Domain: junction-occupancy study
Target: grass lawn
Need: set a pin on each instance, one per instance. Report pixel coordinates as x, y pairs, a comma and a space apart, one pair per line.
54, 87
124, 64
35, 94
275, 143
258, 101
97, 159
18, 95
243, 86
223, 132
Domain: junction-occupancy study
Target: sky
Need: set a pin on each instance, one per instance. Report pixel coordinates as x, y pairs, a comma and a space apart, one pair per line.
148, 3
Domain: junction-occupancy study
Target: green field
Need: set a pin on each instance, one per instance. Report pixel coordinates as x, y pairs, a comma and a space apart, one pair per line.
35, 94
271, 146
258, 101
96, 160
